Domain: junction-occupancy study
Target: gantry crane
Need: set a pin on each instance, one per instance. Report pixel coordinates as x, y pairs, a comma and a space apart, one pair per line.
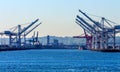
102, 35
87, 32
99, 31
15, 38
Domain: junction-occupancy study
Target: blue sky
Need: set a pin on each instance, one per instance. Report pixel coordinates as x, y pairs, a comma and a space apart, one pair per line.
57, 16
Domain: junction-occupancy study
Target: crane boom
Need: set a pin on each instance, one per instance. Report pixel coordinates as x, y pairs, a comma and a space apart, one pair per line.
96, 23
31, 29
28, 27
83, 26
91, 27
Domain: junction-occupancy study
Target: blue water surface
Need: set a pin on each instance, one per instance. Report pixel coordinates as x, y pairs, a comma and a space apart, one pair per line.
61, 60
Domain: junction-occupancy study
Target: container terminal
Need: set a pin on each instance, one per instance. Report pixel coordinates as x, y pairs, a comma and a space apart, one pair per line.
100, 36
18, 39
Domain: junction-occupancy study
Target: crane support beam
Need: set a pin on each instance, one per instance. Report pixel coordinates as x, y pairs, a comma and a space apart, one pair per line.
36, 38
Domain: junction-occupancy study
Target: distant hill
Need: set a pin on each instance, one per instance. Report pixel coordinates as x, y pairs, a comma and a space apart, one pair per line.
63, 40
69, 40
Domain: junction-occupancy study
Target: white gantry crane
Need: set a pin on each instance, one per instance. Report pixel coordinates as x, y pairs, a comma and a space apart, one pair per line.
102, 33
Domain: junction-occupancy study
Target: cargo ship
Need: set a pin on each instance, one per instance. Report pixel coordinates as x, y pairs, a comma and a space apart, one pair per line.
12, 48
106, 50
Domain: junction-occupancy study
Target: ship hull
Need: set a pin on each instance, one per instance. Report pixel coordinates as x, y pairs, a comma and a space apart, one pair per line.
106, 50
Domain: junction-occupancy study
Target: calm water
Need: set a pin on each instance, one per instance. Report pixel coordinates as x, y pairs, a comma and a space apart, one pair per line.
59, 61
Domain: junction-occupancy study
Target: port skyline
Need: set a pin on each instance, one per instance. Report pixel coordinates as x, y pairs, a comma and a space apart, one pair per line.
57, 17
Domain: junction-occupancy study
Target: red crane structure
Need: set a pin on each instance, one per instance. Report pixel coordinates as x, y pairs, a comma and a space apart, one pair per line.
88, 39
